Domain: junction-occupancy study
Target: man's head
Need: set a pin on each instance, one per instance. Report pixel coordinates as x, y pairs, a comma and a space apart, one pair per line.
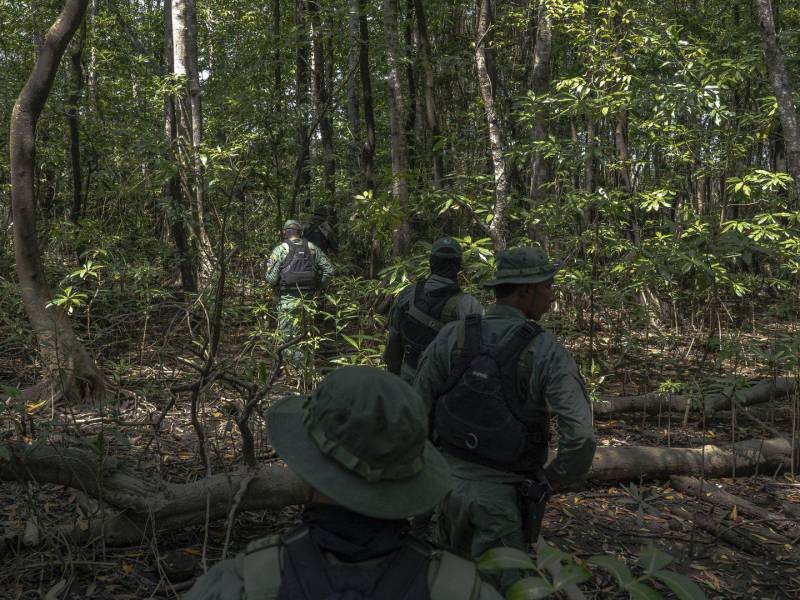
524, 279
445, 258
292, 229
319, 215
361, 440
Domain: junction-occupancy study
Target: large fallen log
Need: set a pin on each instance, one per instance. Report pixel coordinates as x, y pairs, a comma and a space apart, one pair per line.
757, 392
135, 505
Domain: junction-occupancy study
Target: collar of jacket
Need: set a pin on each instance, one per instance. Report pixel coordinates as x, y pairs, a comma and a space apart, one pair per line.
506, 311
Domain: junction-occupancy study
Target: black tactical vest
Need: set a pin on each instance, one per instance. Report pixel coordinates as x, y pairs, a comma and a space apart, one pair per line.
314, 234
480, 417
298, 273
421, 321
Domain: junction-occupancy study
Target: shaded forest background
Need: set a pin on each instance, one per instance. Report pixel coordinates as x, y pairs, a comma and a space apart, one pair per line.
652, 146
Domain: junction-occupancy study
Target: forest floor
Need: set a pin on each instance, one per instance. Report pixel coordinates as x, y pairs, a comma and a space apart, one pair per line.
618, 520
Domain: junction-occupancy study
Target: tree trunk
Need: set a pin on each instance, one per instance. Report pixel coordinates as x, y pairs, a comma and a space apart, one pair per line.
540, 84
321, 99
176, 216
782, 89
397, 113
73, 103
302, 177
73, 373
430, 99
190, 124
497, 228
368, 152
148, 504
353, 104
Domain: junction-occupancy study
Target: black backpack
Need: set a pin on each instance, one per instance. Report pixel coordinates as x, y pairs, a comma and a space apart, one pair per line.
297, 272
480, 417
314, 234
421, 321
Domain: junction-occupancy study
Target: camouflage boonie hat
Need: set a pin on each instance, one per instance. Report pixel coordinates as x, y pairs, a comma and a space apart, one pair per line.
292, 224
446, 247
523, 265
361, 439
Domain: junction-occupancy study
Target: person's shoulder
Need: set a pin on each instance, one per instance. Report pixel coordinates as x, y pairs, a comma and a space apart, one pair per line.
280, 248
224, 581
451, 576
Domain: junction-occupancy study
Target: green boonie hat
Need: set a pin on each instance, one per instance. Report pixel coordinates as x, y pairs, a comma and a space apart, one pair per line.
523, 265
292, 224
361, 438
446, 247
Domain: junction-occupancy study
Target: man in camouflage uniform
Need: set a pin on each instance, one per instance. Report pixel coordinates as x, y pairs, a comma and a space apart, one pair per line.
485, 508
421, 309
297, 268
360, 444
319, 232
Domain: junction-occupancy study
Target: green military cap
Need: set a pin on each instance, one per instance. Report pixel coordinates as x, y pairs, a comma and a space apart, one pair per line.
523, 265
292, 224
361, 439
446, 247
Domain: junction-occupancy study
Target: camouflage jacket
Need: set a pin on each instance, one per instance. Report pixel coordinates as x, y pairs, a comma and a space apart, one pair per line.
322, 266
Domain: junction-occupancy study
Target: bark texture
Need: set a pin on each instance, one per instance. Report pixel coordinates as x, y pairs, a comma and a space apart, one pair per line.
783, 91
540, 84
431, 117
73, 373
497, 228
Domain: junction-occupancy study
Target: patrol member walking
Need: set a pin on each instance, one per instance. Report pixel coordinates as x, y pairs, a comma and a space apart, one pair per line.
360, 443
422, 309
489, 382
319, 232
297, 267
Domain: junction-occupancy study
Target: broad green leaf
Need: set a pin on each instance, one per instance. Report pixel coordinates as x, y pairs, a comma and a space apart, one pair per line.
616, 567
653, 559
530, 588
505, 558
547, 555
683, 587
640, 591
571, 575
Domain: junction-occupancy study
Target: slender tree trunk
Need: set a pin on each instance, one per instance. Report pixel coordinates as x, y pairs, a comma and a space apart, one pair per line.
782, 89
353, 105
397, 110
276, 40
73, 373
176, 216
321, 98
302, 176
497, 228
190, 124
431, 117
540, 84
368, 151
73, 104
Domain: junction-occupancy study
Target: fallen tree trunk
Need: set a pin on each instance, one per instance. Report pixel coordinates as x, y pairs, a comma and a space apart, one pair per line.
135, 506
757, 393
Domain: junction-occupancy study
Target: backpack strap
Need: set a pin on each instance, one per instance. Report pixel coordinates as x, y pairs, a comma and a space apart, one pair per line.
411, 560
308, 563
418, 314
261, 567
451, 577
470, 348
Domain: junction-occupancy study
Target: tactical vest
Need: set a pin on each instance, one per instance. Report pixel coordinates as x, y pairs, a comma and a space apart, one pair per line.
480, 417
421, 321
298, 273
314, 234
290, 566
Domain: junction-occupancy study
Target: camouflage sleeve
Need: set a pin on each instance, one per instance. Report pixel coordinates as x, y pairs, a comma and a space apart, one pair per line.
322, 265
557, 375
222, 582
435, 364
393, 354
273, 268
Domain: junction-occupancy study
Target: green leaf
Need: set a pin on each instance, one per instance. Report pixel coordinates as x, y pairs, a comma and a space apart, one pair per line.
547, 555
5, 454
683, 587
640, 591
530, 588
497, 559
653, 559
616, 567
571, 575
